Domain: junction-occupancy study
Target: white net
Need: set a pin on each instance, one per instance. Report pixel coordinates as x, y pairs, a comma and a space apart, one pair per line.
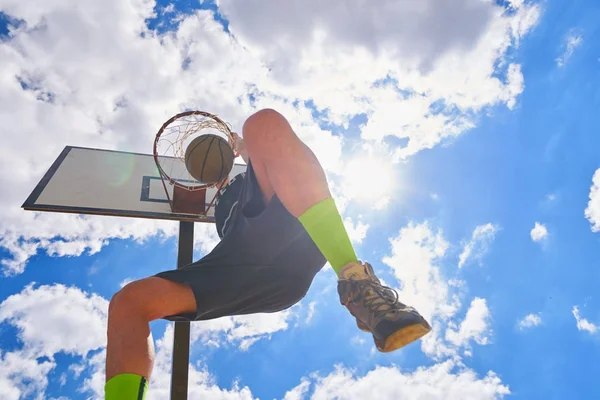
173, 139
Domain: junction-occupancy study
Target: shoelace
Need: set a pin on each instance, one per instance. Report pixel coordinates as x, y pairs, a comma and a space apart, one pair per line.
377, 297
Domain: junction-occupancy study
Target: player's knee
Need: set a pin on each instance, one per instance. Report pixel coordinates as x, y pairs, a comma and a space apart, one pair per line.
129, 303
266, 126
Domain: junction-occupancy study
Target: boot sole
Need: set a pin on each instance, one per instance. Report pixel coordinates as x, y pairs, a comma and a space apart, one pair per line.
404, 337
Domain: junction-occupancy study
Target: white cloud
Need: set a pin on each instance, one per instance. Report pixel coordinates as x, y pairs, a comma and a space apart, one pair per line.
112, 83
311, 311
415, 256
582, 323
447, 380
22, 374
592, 212
299, 392
539, 232
413, 260
202, 384
46, 317
435, 346
169, 9
356, 232
205, 237
76, 369
24, 234
479, 244
359, 340
571, 42
413, 82
530, 321
417, 253
124, 282
133, 67
475, 326
50, 320
39, 56
58, 319
63, 379
242, 330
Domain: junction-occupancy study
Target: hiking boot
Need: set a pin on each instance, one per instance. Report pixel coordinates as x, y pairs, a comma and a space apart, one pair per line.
377, 309
369, 270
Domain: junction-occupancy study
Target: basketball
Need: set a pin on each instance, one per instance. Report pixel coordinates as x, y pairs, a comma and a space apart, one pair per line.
209, 158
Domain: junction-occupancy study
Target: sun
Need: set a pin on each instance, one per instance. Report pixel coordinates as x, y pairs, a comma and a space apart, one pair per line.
369, 179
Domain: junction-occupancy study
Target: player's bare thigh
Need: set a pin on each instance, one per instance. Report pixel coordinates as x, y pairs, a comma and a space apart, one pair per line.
265, 132
153, 298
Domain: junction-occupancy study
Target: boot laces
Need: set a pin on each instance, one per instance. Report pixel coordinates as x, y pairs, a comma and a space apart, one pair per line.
378, 298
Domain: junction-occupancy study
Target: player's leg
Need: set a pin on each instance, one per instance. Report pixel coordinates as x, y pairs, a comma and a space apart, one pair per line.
285, 166
130, 348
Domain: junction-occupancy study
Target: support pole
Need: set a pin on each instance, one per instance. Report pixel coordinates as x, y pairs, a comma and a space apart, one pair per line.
181, 340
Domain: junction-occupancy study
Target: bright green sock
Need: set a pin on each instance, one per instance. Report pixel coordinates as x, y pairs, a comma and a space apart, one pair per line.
324, 225
126, 387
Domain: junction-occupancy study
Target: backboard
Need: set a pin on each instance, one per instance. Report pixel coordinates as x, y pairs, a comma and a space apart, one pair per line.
107, 182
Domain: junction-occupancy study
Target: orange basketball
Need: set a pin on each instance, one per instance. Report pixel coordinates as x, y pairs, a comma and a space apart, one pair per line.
209, 158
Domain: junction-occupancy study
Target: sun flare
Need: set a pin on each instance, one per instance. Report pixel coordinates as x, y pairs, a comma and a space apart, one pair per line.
369, 179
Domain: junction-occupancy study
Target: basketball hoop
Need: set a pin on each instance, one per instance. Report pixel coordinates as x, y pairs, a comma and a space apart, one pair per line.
170, 146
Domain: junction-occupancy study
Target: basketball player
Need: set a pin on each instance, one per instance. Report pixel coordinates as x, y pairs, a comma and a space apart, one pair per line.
278, 226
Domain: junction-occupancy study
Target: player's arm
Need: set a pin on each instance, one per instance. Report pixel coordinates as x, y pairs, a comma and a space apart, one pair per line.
240, 147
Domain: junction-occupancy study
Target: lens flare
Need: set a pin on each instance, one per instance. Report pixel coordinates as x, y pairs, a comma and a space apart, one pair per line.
121, 170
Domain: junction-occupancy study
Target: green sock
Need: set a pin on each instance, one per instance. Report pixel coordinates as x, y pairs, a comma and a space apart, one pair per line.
324, 225
126, 387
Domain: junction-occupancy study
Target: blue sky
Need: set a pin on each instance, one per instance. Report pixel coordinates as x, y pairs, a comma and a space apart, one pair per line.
487, 208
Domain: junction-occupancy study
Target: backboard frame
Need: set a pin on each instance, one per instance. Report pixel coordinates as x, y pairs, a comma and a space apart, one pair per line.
33, 203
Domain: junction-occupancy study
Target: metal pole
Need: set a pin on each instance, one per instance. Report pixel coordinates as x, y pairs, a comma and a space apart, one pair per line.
181, 340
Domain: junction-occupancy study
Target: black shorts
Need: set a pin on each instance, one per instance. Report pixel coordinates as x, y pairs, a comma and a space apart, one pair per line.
265, 262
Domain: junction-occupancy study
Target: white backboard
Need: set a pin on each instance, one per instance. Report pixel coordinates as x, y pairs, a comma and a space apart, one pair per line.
106, 182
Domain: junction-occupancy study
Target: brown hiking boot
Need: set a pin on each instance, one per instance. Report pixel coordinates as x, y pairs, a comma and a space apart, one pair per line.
377, 309
369, 270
